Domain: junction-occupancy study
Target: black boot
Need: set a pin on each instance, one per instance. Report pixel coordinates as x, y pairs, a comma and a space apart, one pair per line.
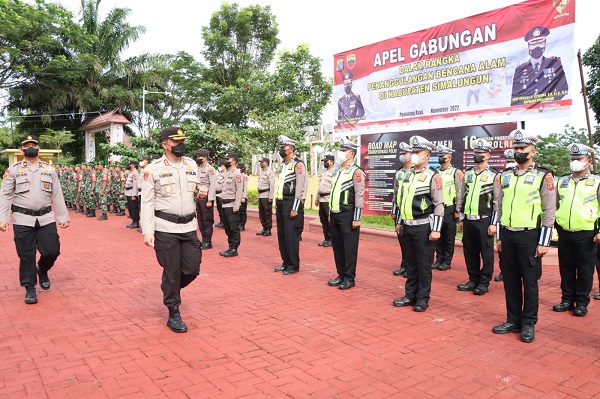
30, 295
206, 243
133, 225
92, 213
267, 233
121, 212
103, 217
175, 323
230, 252
79, 209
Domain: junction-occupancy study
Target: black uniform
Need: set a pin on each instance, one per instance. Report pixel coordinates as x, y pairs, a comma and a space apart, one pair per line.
531, 80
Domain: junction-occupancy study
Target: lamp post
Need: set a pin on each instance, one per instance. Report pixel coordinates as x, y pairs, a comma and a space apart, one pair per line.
144, 92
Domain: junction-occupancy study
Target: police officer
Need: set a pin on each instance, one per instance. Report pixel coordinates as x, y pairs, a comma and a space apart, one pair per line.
509, 155
419, 223
290, 194
539, 75
266, 192
350, 106
477, 212
169, 222
323, 196
131, 192
346, 205
404, 151
453, 186
577, 220
232, 189
30, 188
526, 205
206, 197
244, 205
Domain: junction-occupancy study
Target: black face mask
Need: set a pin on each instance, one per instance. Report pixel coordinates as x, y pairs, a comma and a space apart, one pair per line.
282, 153
348, 89
227, 164
178, 150
521, 157
31, 152
536, 52
442, 160
199, 161
326, 164
478, 158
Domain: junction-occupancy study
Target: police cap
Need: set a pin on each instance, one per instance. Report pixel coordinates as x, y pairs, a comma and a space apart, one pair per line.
202, 152
172, 132
346, 144
442, 149
347, 75
537, 34
578, 150
403, 148
328, 157
482, 145
419, 143
28, 138
284, 140
521, 138
231, 155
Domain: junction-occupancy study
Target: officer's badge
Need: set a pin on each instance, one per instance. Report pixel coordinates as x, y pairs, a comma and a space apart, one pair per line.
166, 162
529, 179
505, 181
564, 182
518, 135
168, 189
422, 177
5, 175
415, 140
146, 174
549, 73
438, 182
574, 149
469, 177
351, 61
549, 182
46, 185
239, 178
211, 170
299, 168
449, 171
484, 178
589, 182
170, 180
21, 171
358, 176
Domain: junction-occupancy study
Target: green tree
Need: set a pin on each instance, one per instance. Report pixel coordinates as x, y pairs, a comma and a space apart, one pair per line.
553, 152
591, 59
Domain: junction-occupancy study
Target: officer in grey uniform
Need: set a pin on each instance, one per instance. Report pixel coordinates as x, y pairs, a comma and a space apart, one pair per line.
322, 199
169, 191
132, 186
206, 197
30, 188
232, 189
266, 192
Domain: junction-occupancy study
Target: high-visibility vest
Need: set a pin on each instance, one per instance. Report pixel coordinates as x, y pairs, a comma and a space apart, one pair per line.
342, 189
449, 185
400, 176
416, 201
522, 203
479, 194
578, 207
287, 180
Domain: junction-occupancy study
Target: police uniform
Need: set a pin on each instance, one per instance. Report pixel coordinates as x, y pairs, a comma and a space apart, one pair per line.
219, 183
509, 155
478, 212
244, 203
538, 76
266, 192
29, 191
345, 209
577, 221
322, 199
526, 205
350, 106
132, 194
290, 194
453, 186
404, 150
168, 212
421, 213
206, 194
232, 187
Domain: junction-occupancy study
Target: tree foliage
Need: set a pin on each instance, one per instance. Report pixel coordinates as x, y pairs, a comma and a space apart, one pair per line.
591, 59
553, 152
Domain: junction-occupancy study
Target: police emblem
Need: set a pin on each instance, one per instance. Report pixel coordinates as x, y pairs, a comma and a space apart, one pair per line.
574, 149
351, 61
415, 140
358, 176
484, 178
589, 182
479, 143
505, 181
560, 5
529, 179
168, 189
518, 135
46, 185
339, 62
469, 178
564, 182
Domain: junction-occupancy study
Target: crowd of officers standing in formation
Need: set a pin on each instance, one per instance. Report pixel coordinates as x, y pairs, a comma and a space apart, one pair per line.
177, 196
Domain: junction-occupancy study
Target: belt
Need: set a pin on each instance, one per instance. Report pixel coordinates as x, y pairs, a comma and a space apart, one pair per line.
31, 212
227, 201
174, 218
263, 191
128, 188
475, 217
324, 194
218, 192
520, 228
416, 222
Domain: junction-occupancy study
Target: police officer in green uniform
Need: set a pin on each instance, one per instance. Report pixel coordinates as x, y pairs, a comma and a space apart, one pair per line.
526, 204
404, 151
453, 183
577, 221
29, 189
478, 220
345, 210
290, 194
509, 155
323, 196
419, 223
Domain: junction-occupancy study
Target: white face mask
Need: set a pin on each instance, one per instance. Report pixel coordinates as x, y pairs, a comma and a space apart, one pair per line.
415, 159
577, 166
342, 156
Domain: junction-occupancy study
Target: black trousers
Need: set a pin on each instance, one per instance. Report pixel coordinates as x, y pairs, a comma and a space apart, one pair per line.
180, 256
27, 239
444, 247
134, 208
402, 251
344, 241
206, 218
231, 223
288, 231
576, 258
244, 212
324, 218
265, 213
521, 270
220, 208
478, 248
419, 256
598, 264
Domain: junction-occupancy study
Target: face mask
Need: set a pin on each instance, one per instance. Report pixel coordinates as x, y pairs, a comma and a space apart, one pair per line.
326, 164
178, 150
478, 158
31, 152
442, 160
199, 161
577, 166
227, 164
348, 89
536, 52
521, 157
342, 156
282, 153
415, 158
404, 158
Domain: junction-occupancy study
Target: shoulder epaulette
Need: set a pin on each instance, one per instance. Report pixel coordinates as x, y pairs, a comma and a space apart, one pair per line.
434, 170
544, 169
494, 169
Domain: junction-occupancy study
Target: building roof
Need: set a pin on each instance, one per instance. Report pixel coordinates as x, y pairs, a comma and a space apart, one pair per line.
105, 119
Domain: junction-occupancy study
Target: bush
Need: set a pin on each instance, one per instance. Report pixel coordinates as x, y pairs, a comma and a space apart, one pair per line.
253, 197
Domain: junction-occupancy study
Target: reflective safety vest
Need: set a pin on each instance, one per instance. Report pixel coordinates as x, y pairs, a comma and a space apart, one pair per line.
479, 194
416, 200
522, 203
287, 181
401, 174
342, 189
578, 207
449, 185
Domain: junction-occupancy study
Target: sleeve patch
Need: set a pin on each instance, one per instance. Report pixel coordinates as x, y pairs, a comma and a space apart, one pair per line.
498, 180
239, 178
460, 175
211, 171
549, 182
438, 182
358, 176
6, 174
299, 168
146, 174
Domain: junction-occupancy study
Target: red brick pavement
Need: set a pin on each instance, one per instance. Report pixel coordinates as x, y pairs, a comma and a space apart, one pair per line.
100, 332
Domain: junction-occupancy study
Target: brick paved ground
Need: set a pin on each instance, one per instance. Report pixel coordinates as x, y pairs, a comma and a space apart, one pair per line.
100, 330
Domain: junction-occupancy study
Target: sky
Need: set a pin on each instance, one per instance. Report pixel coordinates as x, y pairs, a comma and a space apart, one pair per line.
330, 27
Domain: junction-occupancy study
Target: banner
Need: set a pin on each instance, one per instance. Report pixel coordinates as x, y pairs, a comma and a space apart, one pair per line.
379, 156
505, 65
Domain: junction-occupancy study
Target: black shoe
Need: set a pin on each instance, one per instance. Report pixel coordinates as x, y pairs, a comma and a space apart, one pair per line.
44, 280
444, 267
335, 282
580, 311
326, 244
222, 253
113, 211
133, 225
175, 323
404, 301
103, 216
260, 233
229, 253
79, 210
562, 307
528, 332
506, 328
299, 237
435, 265
92, 214
30, 295
346, 285
597, 296
218, 225
122, 213
139, 230
481, 290
280, 269
206, 245
469, 286
498, 278
267, 233
421, 306
322, 243
242, 228
287, 272
397, 272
